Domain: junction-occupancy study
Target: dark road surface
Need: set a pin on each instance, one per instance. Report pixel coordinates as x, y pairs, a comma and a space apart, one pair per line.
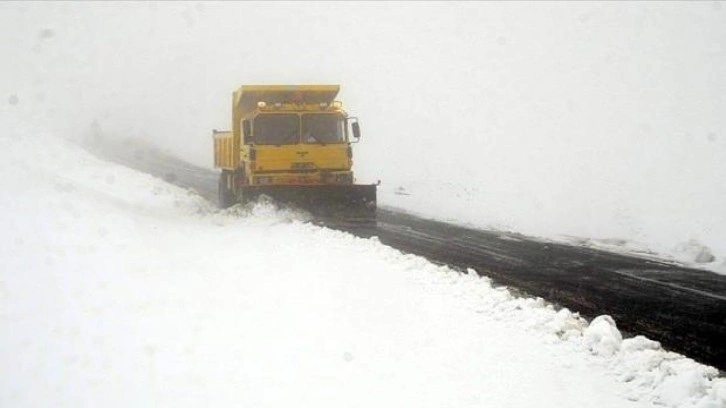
683, 308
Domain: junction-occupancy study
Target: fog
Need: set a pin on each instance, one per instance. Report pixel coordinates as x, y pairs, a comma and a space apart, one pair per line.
588, 119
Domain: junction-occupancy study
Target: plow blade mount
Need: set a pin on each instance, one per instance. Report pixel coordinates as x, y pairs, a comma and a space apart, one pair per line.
351, 203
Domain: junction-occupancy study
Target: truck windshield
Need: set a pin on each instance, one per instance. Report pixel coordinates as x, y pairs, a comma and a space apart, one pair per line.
277, 129
323, 128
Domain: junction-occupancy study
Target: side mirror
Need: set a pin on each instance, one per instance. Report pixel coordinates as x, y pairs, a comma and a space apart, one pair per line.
247, 131
356, 130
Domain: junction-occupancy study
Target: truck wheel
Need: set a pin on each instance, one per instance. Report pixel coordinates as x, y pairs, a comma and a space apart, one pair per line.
226, 198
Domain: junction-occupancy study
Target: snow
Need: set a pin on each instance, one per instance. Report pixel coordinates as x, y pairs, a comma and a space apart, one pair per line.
597, 124
602, 336
118, 289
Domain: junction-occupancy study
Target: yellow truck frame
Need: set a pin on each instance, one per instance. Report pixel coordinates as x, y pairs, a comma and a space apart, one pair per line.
292, 143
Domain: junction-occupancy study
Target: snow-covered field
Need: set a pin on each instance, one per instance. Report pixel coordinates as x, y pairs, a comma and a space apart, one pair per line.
118, 289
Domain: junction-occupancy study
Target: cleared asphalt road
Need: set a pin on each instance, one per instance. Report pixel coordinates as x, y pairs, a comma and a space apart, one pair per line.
683, 308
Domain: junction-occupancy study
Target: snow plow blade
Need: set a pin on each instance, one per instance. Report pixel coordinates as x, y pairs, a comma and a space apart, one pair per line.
348, 204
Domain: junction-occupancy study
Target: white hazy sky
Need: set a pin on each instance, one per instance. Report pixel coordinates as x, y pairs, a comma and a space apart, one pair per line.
585, 118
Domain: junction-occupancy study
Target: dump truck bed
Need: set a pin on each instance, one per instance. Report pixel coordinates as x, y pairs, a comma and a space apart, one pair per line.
248, 95
224, 150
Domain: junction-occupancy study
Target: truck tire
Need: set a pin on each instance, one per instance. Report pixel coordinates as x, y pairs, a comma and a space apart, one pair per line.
225, 195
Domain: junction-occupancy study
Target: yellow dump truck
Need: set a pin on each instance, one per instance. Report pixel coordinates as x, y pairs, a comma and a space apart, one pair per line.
292, 143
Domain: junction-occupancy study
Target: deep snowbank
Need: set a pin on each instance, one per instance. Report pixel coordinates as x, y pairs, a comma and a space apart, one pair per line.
118, 289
